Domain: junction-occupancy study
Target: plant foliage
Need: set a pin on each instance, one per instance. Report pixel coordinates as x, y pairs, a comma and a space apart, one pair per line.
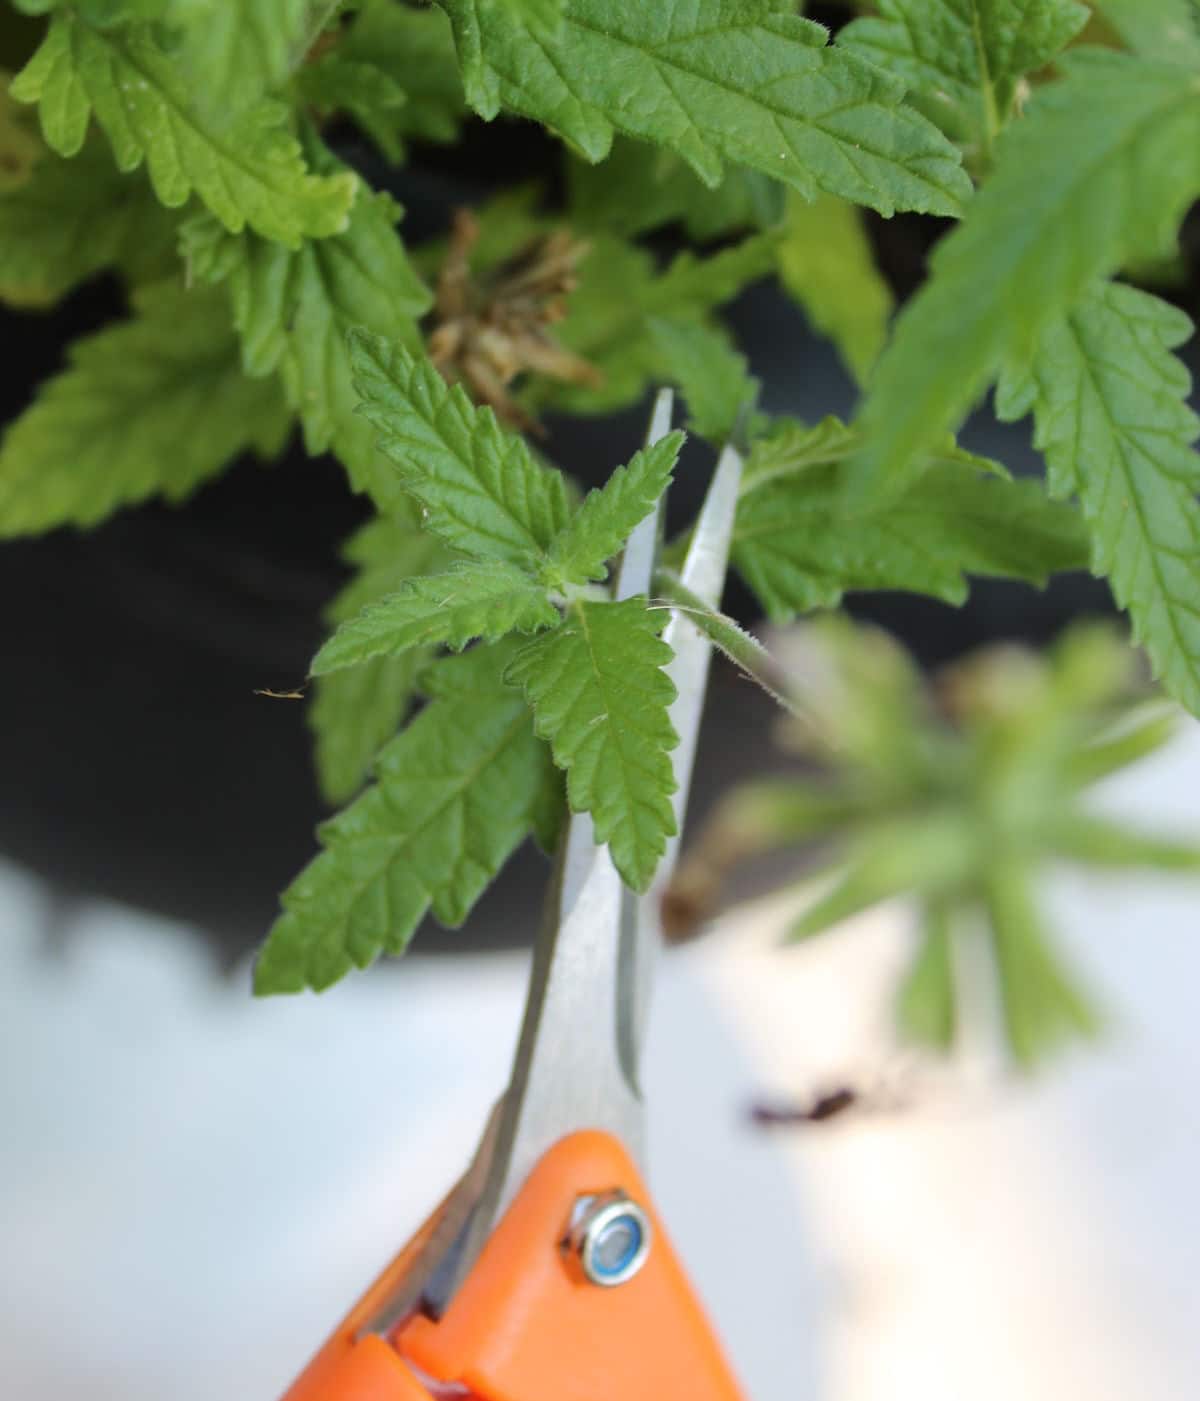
959, 796
232, 168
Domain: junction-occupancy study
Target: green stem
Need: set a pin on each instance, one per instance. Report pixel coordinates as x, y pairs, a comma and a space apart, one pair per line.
320, 14
991, 114
742, 649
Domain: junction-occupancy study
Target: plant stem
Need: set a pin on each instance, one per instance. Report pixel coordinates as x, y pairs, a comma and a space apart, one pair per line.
320, 13
991, 115
743, 649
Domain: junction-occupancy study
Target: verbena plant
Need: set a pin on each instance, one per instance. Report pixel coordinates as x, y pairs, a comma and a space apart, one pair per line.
188, 146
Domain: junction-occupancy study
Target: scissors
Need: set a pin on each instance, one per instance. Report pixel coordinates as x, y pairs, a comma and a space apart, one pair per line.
545, 1274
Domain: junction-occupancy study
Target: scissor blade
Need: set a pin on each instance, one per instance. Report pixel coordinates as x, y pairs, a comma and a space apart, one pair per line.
703, 573
568, 1071
641, 549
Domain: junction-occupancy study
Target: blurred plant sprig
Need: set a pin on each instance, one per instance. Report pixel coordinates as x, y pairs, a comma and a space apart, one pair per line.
960, 794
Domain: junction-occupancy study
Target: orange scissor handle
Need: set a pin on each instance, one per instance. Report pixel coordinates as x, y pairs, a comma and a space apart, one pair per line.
526, 1325
368, 1369
358, 1366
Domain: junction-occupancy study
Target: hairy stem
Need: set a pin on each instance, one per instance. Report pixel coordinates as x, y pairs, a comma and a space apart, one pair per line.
742, 648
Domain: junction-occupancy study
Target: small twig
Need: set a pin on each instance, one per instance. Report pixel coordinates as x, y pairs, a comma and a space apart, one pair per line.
821, 1110
296, 694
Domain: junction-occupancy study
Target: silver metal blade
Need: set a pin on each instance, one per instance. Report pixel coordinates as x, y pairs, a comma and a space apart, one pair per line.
577, 1056
573, 1065
703, 573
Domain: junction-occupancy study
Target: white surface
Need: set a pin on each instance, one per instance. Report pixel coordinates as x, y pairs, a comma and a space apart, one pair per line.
1039, 1242
193, 1185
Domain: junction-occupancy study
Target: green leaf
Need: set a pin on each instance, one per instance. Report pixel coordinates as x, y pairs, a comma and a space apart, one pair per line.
743, 81
152, 406
245, 166
873, 716
354, 712
1091, 670
609, 315
482, 491
415, 50
1132, 737
792, 446
72, 219
1162, 29
765, 814
924, 852
925, 1002
294, 311
802, 538
826, 264
363, 91
455, 794
961, 58
639, 187
478, 599
242, 50
1093, 841
714, 378
1035, 238
1110, 404
608, 514
544, 15
691, 285
600, 697
1043, 1003
104, 13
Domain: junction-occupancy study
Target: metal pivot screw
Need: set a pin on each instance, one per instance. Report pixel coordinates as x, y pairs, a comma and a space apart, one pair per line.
610, 1234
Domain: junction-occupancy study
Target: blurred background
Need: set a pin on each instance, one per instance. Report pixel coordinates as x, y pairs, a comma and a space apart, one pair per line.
193, 1185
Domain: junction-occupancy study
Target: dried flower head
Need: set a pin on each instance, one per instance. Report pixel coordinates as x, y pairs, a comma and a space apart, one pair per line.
490, 328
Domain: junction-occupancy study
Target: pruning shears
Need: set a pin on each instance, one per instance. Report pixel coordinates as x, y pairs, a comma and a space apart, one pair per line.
545, 1274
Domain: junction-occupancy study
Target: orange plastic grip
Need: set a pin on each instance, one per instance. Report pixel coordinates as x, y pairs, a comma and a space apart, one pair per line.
369, 1369
527, 1326
351, 1367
